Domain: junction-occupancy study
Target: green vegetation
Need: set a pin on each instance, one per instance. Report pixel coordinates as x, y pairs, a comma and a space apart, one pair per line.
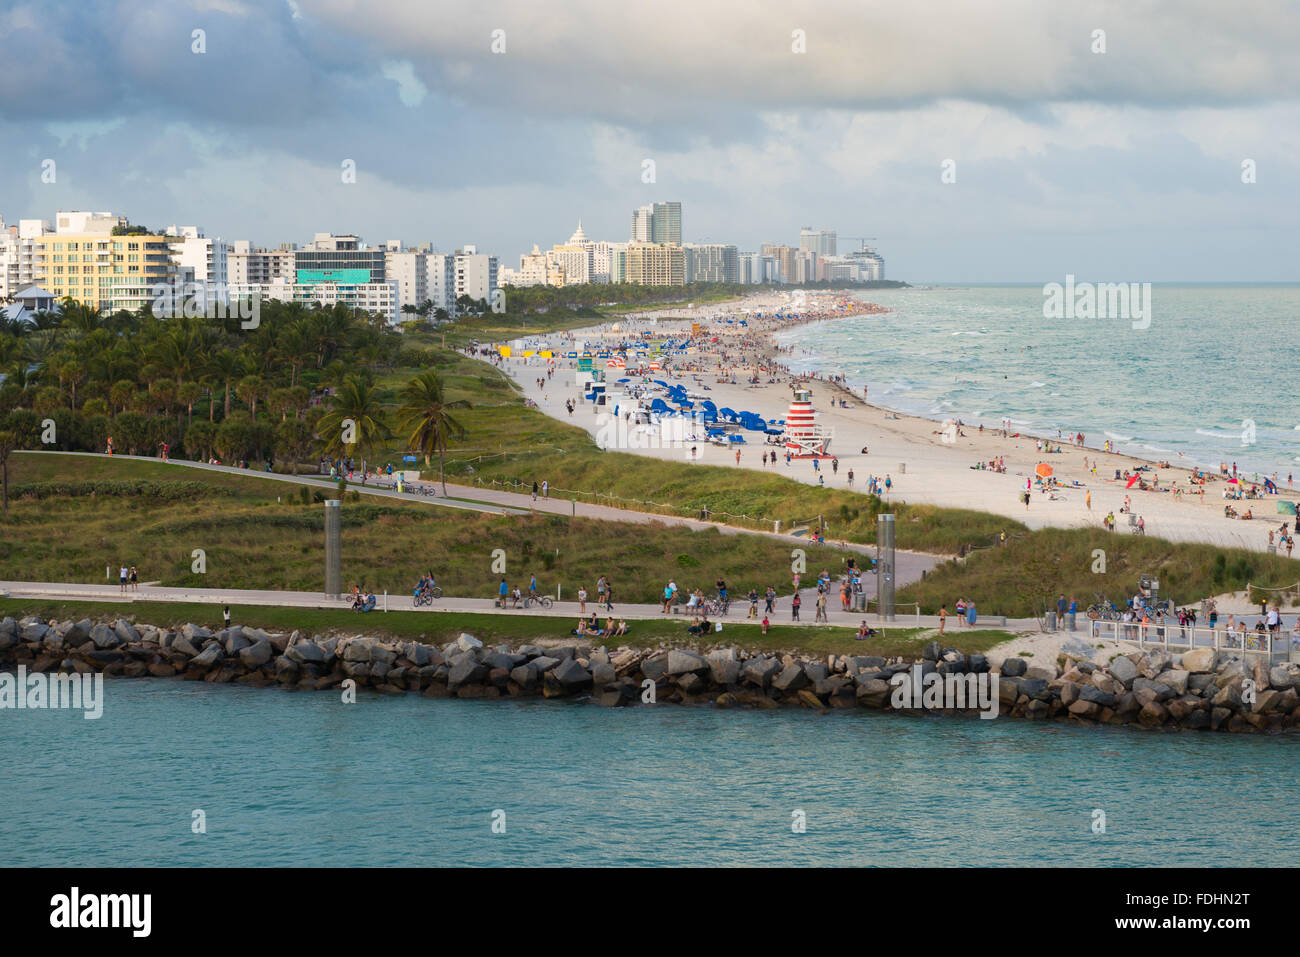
1024, 578
140, 513
437, 627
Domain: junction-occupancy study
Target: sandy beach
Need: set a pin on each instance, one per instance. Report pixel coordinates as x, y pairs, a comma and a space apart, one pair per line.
926, 461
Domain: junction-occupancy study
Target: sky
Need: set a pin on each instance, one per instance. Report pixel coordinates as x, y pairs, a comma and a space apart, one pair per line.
1003, 140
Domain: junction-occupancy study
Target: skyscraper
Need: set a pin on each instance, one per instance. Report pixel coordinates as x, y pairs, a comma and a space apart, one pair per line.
666, 223
819, 241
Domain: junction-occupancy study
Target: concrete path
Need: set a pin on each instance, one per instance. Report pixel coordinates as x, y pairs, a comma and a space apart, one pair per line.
565, 609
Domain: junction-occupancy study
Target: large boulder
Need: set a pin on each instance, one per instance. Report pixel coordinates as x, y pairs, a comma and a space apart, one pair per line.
682, 662
126, 631
791, 679
1014, 667
1123, 670
1199, 660
467, 642
872, 692
304, 652
724, 667
760, 671
357, 651
208, 657
256, 654
571, 675
466, 671
235, 640
104, 636
544, 663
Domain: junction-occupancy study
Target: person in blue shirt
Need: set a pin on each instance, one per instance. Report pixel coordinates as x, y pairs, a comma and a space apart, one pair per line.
503, 590
532, 585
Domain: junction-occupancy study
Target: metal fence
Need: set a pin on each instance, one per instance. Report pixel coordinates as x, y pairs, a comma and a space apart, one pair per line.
1171, 636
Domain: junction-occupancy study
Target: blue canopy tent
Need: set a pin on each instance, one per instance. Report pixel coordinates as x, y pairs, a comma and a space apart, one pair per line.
662, 383
736, 438
624, 380
659, 405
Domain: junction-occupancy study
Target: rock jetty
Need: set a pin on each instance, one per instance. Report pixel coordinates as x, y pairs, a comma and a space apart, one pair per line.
1196, 690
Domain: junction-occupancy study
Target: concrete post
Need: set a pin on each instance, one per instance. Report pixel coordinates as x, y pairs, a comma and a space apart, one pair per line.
333, 548
885, 567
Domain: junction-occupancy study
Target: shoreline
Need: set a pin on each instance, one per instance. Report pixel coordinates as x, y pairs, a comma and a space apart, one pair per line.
926, 465
1200, 689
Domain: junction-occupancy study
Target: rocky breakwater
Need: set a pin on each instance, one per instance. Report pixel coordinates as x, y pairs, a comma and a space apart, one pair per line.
1198, 690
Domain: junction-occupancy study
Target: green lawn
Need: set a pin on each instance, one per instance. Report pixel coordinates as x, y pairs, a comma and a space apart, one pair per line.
438, 628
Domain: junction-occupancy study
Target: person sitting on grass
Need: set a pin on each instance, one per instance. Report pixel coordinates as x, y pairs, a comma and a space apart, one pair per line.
621, 629
766, 624
865, 632
701, 627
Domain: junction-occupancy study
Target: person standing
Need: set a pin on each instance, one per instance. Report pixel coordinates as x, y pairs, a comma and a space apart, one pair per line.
503, 590
769, 606
534, 493
582, 600
961, 609
821, 607
225, 617
135, 579
971, 614
123, 574
943, 617
795, 602
546, 489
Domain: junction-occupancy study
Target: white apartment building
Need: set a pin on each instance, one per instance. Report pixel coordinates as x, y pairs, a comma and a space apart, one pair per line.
475, 275
379, 297
207, 260
244, 264
18, 255
80, 222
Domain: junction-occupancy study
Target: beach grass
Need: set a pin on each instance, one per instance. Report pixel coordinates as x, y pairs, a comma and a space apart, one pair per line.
154, 516
1024, 578
520, 628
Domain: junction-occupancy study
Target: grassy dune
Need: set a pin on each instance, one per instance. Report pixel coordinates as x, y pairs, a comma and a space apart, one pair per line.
133, 513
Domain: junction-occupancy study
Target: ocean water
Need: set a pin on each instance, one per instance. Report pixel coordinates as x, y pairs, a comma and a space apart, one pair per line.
1214, 361
302, 779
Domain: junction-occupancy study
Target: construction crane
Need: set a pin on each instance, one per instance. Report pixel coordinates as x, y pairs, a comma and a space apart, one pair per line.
862, 239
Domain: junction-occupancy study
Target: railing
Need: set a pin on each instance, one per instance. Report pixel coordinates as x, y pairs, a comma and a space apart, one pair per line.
1167, 636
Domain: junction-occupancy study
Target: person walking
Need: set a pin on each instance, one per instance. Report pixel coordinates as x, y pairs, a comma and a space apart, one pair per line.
225, 617
769, 606
534, 493
609, 596
546, 489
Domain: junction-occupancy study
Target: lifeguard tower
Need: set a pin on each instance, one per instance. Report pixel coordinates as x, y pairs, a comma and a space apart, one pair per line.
804, 438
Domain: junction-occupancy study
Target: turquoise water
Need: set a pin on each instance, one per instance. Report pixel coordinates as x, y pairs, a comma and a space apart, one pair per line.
301, 779
1213, 357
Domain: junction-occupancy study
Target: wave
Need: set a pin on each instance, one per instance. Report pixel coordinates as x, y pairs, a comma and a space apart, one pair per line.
1116, 437
1037, 385
1218, 435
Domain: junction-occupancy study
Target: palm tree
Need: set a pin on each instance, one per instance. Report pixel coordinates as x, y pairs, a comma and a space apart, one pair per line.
226, 365
250, 389
424, 415
357, 403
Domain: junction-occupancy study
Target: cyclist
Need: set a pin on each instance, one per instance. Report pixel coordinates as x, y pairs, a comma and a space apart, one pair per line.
753, 603
722, 591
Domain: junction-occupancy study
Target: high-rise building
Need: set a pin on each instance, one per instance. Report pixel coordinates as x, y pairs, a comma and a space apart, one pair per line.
712, 262
642, 218
99, 269
18, 255
475, 275
206, 261
786, 258
656, 264
244, 264
657, 223
666, 223
819, 241
576, 258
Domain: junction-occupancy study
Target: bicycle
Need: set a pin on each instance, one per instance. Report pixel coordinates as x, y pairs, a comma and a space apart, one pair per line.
1103, 611
546, 601
717, 606
426, 596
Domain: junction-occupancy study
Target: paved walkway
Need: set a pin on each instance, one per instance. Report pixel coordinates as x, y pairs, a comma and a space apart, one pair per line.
149, 592
908, 566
